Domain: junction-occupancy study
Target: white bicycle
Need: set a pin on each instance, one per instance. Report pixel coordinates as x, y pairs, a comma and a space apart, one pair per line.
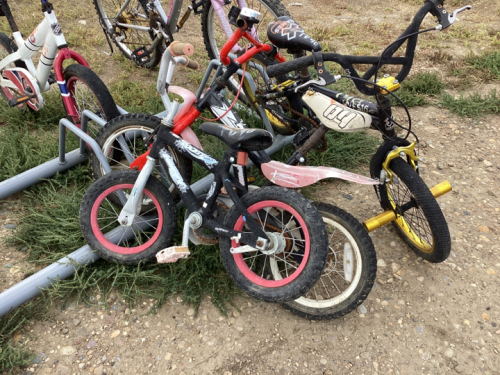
22, 84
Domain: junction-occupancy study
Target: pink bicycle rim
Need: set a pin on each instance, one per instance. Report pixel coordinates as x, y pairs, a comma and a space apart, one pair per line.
111, 246
243, 267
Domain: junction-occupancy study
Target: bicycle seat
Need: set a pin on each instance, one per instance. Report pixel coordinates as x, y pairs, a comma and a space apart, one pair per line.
246, 139
286, 33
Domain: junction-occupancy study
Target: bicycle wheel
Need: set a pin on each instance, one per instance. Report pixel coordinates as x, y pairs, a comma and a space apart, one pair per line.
213, 32
152, 230
7, 47
284, 113
298, 245
87, 91
128, 39
214, 36
423, 226
350, 270
122, 141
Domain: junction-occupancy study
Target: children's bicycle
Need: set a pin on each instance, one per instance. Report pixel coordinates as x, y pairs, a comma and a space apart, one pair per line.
408, 202
351, 267
142, 28
351, 262
22, 84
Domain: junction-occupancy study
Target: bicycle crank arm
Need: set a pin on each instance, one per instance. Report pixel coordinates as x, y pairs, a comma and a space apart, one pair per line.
389, 215
299, 176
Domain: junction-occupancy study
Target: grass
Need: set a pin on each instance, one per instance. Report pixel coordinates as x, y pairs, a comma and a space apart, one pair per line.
488, 62
413, 91
475, 105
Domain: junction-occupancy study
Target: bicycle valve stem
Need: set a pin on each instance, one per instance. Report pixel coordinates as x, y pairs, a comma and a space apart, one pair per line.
389, 215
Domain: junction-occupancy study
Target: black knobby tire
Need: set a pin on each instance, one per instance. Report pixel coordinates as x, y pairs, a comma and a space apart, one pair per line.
320, 302
424, 227
135, 39
299, 270
133, 127
164, 233
88, 91
8, 47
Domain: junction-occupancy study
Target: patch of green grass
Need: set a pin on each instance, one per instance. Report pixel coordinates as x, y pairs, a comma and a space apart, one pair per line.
16, 354
135, 97
414, 90
474, 105
425, 83
487, 62
28, 139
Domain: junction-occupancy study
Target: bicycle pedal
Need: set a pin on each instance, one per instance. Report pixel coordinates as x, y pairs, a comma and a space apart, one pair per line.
141, 56
172, 254
21, 100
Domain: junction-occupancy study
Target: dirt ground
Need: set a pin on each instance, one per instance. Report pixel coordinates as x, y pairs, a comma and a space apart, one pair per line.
420, 318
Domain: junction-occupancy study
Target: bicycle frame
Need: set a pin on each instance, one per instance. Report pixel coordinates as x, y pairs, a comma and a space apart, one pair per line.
257, 239
48, 37
277, 172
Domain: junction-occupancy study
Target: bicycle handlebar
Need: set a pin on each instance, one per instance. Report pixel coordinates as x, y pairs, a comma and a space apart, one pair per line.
430, 6
180, 49
191, 64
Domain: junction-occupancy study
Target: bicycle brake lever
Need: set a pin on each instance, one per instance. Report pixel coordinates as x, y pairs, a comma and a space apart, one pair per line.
320, 82
453, 17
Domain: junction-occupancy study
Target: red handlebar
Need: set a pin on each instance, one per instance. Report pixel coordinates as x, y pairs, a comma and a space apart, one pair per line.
235, 38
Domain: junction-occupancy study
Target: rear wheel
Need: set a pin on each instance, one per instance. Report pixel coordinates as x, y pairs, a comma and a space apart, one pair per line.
284, 112
298, 245
87, 91
127, 39
350, 270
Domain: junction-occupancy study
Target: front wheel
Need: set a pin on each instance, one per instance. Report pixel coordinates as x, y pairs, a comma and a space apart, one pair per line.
298, 245
7, 47
350, 270
153, 227
87, 91
420, 221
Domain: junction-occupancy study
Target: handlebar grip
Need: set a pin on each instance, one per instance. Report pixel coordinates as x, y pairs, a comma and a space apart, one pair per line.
191, 64
289, 66
180, 49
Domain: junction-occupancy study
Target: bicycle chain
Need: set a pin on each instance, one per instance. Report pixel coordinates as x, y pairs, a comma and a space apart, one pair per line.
300, 115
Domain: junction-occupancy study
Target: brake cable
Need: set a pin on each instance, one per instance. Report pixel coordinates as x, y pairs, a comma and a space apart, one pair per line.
409, 131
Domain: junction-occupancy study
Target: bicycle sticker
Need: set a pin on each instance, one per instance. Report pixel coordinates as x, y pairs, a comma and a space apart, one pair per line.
56, 29
291, 30
211, 191
197, 154
174, 172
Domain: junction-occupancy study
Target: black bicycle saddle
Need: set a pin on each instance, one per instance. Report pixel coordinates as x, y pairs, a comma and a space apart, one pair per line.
245, 139
286, 33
